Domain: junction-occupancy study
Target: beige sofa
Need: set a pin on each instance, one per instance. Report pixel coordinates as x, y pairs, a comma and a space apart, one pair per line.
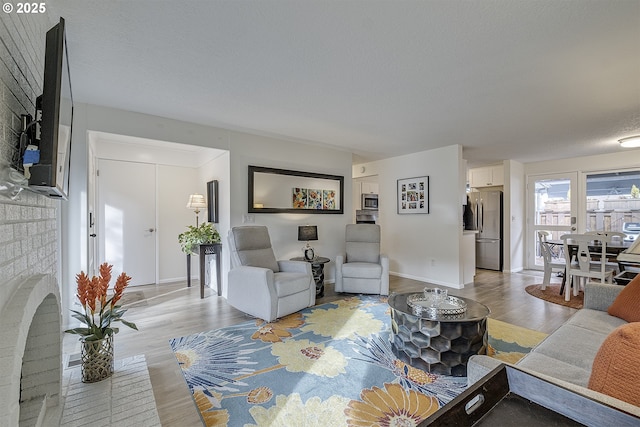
565, 357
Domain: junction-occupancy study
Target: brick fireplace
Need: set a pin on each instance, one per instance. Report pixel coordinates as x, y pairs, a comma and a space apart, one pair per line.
31, 353
30, 296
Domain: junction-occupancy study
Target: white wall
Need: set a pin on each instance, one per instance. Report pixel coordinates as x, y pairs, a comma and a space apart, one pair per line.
514, 216
218, 169
174, 185
425, 247
255, 150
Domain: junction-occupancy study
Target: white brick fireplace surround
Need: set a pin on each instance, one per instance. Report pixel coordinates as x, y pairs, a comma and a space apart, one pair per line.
31, 353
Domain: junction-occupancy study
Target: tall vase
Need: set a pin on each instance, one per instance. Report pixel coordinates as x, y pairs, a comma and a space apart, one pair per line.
97, 359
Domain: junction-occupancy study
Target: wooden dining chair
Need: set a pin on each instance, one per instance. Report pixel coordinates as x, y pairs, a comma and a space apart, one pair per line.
580, 265
551, 263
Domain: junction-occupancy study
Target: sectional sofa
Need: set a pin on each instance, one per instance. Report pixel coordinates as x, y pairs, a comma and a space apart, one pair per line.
566, 357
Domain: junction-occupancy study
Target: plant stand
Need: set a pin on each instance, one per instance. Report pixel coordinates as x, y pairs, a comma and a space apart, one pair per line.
97, 359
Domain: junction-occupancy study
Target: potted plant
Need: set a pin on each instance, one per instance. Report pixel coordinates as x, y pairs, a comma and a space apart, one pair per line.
195, 236
99, 311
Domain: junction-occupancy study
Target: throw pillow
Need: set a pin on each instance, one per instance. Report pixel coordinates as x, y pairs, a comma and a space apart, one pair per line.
626, 306
616, 368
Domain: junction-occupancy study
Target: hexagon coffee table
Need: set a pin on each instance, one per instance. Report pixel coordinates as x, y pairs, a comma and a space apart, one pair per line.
439, 344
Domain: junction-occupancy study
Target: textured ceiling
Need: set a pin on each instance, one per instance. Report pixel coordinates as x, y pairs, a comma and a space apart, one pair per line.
506, 79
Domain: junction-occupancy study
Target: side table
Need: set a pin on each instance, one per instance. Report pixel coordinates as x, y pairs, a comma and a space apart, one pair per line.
441, 344
207, 250
317, 269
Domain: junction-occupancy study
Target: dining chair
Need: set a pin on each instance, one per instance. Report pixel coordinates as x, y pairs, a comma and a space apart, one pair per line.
612, 257
579, 260
551, 263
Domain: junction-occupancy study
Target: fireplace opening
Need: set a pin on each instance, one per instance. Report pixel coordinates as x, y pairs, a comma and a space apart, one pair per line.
31, 353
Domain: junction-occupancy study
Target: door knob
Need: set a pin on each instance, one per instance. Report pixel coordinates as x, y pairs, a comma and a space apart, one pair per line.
151, 230
92, 235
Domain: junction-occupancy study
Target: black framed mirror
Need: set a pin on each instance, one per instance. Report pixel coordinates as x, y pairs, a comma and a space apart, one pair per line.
287, 191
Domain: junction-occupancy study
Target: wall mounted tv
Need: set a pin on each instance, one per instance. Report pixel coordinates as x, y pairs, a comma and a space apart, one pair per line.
54, 113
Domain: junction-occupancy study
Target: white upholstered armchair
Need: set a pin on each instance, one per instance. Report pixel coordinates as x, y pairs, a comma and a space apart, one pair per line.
261, 286
362, 269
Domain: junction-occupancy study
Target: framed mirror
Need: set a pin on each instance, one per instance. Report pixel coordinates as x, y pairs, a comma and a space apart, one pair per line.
287, 191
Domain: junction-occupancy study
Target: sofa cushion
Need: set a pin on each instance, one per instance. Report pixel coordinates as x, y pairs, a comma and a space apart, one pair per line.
291, 283
572, 344
595, 320
555, 368
362, 243
362, 270
253, 247
627, 304
616, 367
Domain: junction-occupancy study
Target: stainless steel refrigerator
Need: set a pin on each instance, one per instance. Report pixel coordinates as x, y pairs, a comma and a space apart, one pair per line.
486, 207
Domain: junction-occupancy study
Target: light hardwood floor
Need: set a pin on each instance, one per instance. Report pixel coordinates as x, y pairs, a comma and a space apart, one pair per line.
165, 311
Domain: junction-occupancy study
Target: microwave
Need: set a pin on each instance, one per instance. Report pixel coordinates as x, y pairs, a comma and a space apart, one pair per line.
370, 201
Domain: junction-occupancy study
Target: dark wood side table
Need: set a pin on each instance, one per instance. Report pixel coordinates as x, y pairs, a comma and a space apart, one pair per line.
207, 250
317, 269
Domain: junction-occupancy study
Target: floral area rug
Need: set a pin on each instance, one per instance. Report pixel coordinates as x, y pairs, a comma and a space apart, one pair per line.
328, 365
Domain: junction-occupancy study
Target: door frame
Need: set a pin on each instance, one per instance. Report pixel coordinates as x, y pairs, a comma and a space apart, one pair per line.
576, 187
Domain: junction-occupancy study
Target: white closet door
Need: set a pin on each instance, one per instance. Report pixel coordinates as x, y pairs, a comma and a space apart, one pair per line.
127, 219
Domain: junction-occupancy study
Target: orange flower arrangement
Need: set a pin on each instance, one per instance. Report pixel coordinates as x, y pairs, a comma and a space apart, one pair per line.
100, 310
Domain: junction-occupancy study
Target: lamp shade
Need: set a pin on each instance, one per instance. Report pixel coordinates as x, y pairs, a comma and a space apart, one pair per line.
196, 202
307, 232
630, 142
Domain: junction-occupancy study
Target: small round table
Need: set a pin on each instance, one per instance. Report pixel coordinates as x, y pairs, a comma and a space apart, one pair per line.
317, 268
439, 344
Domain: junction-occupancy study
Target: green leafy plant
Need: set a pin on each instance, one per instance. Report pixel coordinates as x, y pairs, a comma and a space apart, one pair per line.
195, 236
99, 311
635, 192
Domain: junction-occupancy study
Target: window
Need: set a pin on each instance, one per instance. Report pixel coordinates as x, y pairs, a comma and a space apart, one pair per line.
613, 202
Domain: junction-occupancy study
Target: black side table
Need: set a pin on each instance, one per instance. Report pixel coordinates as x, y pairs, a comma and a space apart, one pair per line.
207, 250
317, 269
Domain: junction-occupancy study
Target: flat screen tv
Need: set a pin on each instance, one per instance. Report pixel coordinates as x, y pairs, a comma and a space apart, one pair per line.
54, 111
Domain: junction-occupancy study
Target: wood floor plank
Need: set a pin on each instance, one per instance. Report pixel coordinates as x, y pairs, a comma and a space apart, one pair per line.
166, 311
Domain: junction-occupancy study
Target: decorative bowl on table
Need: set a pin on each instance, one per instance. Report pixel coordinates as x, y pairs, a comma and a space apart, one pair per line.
450, 306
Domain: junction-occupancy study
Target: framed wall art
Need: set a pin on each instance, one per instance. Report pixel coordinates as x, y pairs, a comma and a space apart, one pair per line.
413, 195
212, 201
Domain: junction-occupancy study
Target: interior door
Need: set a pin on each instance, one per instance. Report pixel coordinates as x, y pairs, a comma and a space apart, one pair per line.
552, 206
127, 218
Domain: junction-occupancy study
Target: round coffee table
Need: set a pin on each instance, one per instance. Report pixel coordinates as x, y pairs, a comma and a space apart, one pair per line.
440, 344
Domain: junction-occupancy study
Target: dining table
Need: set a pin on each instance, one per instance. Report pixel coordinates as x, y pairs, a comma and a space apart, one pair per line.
613, 249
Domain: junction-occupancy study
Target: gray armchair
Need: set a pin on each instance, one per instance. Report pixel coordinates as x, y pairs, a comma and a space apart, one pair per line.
261, 286
362, 269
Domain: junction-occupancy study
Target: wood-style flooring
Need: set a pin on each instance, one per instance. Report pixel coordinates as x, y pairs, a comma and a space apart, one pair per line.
165, 311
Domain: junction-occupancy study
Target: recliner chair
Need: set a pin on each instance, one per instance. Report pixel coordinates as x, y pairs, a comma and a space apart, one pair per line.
362, 269
261, 286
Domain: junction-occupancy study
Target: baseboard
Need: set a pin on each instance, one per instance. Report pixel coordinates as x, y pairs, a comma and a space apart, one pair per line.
427, 280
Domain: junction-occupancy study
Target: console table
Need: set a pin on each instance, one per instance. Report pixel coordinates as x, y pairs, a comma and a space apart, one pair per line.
206, 250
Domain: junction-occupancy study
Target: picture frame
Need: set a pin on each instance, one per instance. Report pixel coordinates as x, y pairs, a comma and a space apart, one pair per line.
212, 202
413, 195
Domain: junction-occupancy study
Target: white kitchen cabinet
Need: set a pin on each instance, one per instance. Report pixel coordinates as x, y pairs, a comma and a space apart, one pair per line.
369, 188
488, 176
